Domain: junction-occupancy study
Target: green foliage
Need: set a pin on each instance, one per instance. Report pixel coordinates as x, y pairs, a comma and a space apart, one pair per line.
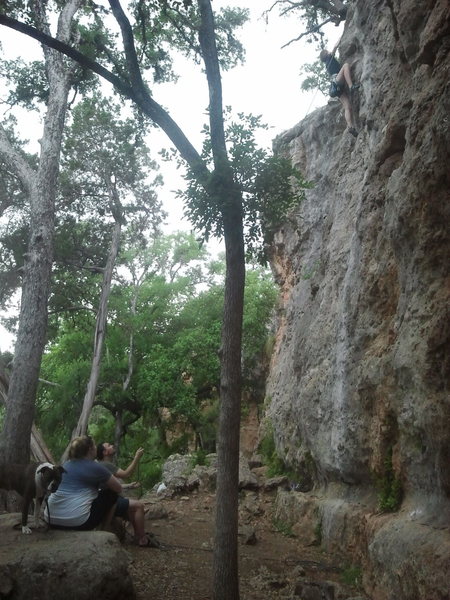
199, 458
313, 14
259, 302
283, 527
180, 444
270, 187
103, 151
276, 465
318, 531
29, 85
151, 473
390, 492
352, 576
66, 365
161, 26
176, 336
316, 77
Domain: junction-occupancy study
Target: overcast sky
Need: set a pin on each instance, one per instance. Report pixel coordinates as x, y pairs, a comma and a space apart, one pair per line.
268, 84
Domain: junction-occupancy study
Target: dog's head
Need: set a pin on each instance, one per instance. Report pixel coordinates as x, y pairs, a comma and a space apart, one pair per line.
50, 476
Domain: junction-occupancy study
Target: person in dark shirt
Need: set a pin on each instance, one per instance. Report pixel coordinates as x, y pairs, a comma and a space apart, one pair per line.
341, 75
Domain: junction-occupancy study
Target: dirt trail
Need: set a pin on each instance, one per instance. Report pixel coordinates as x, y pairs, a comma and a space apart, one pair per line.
275, 567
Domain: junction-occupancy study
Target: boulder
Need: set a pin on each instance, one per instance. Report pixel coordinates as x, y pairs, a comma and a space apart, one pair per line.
50, 564
247, 479
176, 471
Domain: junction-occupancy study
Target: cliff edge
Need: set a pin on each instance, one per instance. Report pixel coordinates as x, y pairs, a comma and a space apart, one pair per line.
358, 392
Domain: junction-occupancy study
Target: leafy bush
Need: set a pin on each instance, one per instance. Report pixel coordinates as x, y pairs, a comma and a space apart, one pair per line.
276, 465
151, 473
283, 528
352, 576
199, 457
390, 492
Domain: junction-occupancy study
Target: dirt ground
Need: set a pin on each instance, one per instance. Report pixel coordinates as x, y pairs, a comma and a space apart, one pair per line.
274, 566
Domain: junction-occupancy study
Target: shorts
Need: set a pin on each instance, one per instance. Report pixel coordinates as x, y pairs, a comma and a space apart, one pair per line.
336, 88
122, 508
99, 509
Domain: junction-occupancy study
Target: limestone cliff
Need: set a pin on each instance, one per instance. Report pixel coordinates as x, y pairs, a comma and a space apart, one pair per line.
358, 394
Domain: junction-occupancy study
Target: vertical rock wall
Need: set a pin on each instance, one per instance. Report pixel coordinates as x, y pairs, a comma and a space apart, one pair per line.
358, 393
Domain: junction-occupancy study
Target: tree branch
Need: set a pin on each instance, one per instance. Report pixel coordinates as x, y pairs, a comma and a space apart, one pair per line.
142, 97
16, 162
315, 29
143, 100
50, 382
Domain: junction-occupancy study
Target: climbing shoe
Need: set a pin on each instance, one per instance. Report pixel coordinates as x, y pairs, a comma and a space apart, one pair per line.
354, 87
353, 131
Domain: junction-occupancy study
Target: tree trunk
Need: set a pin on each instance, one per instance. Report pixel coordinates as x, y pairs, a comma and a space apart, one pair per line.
225, 562
119, 428
118, 432
99, 336
31, 335
39, 449
221, 186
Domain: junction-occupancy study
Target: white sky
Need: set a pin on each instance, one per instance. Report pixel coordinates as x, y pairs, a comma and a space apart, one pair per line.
267, 84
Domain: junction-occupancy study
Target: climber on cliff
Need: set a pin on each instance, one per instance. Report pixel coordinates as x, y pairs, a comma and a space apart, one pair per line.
341, 81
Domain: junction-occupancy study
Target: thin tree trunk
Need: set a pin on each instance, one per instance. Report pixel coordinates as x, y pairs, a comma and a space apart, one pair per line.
225, 561
118, 432
32, 331
118, 429
99, 335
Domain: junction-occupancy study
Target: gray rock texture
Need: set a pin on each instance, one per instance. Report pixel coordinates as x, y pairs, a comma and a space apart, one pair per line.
73, 565
179, 474
358, 393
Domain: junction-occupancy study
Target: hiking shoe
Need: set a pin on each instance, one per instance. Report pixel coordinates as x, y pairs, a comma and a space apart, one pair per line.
353, 131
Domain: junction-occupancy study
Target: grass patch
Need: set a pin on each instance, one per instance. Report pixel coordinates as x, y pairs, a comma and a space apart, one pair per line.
318, 531
276, 465
283, 527
352, 576
390, 492
199, 458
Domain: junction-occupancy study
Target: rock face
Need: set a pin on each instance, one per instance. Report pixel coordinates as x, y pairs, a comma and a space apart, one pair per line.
358, 393
73, 565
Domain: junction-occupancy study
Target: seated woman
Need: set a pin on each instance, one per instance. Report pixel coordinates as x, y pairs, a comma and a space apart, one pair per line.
80, 504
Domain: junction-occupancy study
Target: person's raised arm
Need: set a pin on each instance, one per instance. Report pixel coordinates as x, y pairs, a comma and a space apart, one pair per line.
333, 52
124, 473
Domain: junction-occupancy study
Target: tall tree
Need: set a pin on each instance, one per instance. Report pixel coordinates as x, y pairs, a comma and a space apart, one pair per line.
40, 185
224, 192
156, 278
107, 165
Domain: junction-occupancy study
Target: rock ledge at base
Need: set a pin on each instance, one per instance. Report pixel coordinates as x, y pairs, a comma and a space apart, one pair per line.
52, 564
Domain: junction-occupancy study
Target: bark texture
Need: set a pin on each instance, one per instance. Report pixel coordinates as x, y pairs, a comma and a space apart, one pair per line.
31, 337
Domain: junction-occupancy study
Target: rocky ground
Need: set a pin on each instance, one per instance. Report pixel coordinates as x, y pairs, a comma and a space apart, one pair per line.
273, 564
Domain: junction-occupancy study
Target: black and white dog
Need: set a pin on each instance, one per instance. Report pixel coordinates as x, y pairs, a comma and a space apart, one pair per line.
34, 481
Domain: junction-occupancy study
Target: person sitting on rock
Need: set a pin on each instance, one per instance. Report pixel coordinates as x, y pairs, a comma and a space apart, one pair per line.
342, 77
89, 493
105, 454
